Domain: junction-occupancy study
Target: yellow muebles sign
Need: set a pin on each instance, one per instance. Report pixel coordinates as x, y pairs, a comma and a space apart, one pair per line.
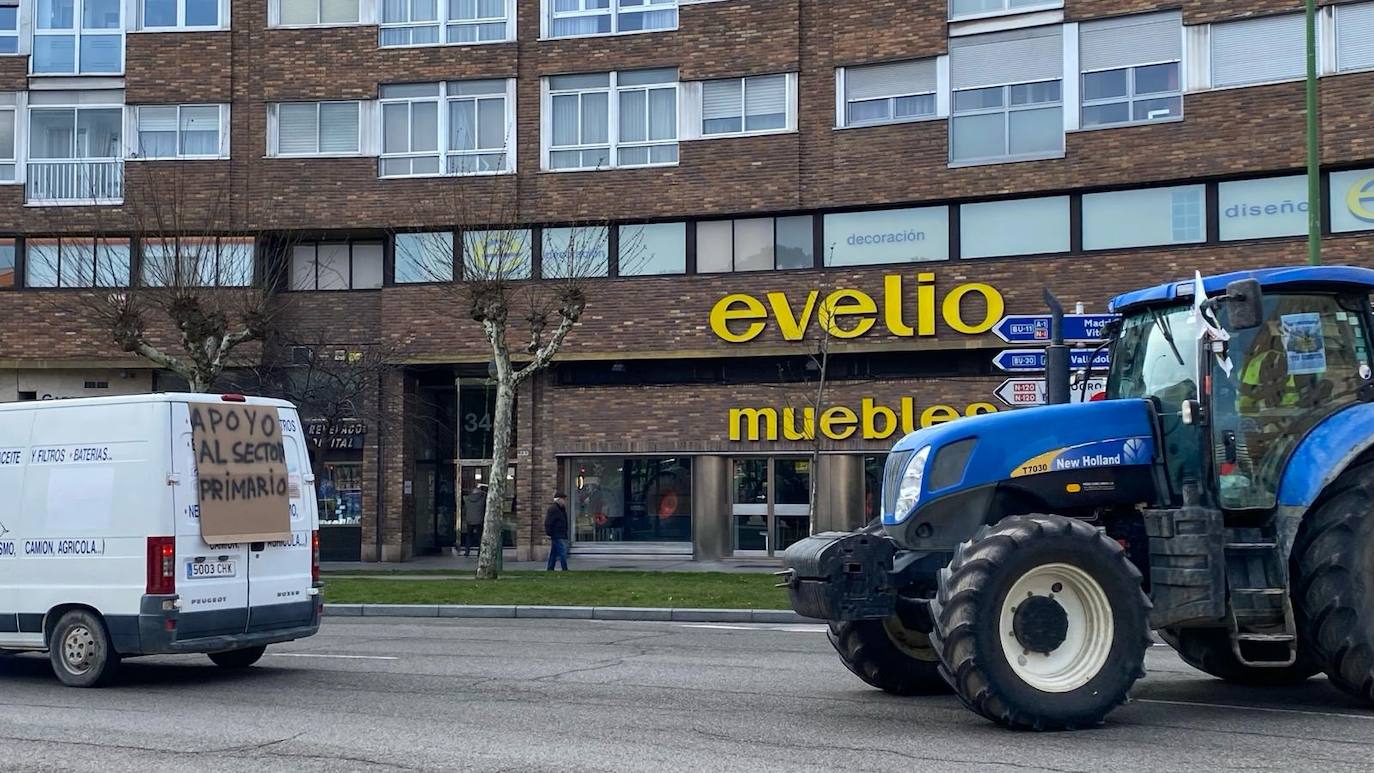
849, 313
871, 422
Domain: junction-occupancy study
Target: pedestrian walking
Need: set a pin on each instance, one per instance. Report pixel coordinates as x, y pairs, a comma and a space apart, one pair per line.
474, 518
556, 526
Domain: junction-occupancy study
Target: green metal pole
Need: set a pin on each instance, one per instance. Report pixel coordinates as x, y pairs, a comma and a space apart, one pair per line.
1314, 191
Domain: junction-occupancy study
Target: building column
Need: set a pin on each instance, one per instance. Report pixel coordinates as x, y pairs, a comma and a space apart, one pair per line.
391, 504
840, 493
711, 508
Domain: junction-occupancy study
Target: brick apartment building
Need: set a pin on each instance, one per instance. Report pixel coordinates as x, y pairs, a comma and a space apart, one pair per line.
934, 163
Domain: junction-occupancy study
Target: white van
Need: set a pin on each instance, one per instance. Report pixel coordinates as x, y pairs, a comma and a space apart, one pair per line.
101, 548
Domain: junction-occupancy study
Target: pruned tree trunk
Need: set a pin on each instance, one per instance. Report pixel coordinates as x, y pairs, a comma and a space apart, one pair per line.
494, 520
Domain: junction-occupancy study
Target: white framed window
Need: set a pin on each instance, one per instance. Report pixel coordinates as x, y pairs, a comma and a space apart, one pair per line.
757, 104
1270, 48
963, 9
336, 266
1132, 69
69, 262
886, 93
611, 120
78, 37
169, 15
446, 22
579, 18
1007, 96
224, 261
179, 131
9, 159
320, 13
315, 129
9, 29
1354, 36
455, 128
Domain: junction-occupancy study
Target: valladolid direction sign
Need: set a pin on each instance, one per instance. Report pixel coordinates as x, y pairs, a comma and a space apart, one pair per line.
1035, 328
1033, 360
1025, 392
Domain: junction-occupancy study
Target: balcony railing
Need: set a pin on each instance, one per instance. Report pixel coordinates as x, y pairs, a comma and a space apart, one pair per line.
84, 181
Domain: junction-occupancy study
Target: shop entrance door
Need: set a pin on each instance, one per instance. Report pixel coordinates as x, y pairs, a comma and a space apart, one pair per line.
770, 504
470, 474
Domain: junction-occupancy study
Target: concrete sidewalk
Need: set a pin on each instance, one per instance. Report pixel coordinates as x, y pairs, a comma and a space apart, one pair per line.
568, 613
576, 563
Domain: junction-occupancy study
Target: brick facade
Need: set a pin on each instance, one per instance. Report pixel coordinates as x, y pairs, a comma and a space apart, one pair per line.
1225, 134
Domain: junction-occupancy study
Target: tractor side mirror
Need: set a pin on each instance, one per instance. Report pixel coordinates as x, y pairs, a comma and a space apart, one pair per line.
1244, 304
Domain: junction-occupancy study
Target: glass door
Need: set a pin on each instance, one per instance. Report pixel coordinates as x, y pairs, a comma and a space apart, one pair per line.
770, 504
471, 475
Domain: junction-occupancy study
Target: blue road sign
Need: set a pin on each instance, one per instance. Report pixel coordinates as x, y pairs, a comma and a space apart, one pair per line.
1033, 360
1035, 328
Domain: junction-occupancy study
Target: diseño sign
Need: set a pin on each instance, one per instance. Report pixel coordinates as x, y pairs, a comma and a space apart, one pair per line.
1035, 328
241, 476
1026, 392
1033, 360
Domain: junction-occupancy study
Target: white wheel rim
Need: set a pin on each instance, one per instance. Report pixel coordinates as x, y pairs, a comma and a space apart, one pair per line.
1087, 642
78, 649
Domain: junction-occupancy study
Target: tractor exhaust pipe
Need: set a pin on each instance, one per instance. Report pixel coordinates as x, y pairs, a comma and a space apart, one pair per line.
1056, 355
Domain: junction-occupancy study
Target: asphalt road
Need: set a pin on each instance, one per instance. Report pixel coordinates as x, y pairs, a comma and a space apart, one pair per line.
535, 695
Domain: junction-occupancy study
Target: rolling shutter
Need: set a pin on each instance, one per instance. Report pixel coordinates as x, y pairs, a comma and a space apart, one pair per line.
1130, 40
1022, 56
1273, 48
890, 80
1355, 36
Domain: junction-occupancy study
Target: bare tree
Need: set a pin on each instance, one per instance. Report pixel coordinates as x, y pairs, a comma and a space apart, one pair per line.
194, 298
524, 319
807, 394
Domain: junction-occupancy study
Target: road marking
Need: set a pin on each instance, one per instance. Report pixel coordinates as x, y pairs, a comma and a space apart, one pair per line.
785, 628
338, 657
1255, 708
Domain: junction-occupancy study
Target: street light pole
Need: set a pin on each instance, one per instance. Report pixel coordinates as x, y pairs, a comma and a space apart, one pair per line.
1314, 191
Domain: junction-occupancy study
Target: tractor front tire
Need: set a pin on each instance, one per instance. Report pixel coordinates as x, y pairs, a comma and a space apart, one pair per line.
888, 655
1334, 598
1041, 623
1209, 651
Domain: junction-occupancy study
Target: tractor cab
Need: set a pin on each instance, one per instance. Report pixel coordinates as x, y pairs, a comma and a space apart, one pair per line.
1239, 379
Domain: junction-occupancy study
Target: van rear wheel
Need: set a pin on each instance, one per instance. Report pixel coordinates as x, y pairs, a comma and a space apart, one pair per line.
80, 650
238, 658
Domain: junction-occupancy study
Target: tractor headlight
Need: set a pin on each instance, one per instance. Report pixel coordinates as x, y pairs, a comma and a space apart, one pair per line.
909, 492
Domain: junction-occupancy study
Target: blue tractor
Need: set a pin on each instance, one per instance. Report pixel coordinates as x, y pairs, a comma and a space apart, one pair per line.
1222, 495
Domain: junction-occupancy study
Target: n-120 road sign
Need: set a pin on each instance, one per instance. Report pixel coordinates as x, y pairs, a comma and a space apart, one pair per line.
1035, 328
1033, 360
1025, 392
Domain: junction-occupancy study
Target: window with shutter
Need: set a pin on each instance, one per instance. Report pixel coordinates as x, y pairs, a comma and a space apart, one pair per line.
882, 93
580, 18
758, 103
298, 129
1007, 100
1272, 48
1355, 36
1131, 69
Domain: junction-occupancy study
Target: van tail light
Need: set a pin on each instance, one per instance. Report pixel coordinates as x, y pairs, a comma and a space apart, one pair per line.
233, 398
315, 556
162, 570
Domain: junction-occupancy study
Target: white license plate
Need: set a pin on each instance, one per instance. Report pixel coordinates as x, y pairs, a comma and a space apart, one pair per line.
200, 570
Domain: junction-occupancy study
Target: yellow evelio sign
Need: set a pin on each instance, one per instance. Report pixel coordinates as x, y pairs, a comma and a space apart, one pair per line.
848, 313
871, 422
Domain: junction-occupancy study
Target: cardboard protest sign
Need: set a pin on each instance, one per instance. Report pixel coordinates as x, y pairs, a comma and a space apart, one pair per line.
241, 476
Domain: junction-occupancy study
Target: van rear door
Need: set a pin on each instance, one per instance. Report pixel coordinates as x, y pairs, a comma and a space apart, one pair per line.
212, 580
279, 573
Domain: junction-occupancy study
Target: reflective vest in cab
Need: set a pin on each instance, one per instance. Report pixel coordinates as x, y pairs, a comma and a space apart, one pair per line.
101, 554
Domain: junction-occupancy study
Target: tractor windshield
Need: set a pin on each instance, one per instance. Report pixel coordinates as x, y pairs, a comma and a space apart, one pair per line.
1155, 355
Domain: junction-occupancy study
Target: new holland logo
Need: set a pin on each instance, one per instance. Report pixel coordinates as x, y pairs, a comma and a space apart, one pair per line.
1134, 451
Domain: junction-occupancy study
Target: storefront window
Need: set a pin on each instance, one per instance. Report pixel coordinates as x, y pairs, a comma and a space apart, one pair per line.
632, 500
1259, 209
751, 504
339, 493
1352, 202
476, 404
791, 501
873, 486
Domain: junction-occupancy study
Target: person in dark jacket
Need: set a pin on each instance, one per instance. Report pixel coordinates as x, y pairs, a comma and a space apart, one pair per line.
474, 517
556, 527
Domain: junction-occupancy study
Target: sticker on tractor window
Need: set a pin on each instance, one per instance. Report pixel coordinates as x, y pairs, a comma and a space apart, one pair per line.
1103, 453
1303, 343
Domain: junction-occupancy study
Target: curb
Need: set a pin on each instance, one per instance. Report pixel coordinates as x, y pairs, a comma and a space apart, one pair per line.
659, 614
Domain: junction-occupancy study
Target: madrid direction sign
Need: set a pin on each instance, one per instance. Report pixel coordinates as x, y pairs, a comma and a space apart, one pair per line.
1033, 360
1035, 328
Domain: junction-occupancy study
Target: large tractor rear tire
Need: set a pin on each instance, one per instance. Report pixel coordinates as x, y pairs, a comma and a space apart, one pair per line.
889, 656
1209, 651
1334, 598
1041, 623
